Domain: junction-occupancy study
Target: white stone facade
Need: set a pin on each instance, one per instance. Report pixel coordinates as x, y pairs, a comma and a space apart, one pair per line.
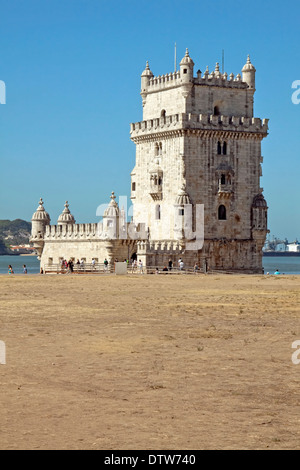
199, 144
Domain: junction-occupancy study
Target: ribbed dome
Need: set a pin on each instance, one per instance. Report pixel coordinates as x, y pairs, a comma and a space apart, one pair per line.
259, 201
113, 208
248, 66
147, 72
41, 214
183, 197
66, 217
187, 59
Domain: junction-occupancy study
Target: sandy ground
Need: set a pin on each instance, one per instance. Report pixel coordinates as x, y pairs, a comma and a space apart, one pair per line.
149, 362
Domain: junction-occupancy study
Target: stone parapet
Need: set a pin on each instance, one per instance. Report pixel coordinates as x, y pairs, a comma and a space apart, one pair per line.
208, 122
170, 80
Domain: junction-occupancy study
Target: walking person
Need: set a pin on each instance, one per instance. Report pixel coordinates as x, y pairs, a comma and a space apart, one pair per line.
105, 264
10, 269
141, 267
134, 265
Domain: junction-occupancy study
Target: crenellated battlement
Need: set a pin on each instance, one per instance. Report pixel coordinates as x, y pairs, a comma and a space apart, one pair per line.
72, 232
170, 80
185, 121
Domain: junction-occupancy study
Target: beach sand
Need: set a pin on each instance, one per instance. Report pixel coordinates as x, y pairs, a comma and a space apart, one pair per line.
149, 362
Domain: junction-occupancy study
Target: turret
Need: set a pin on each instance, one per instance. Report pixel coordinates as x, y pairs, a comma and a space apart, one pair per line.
186, 74
39, 221
111, 219
249, 73
146, 75
182, 218
186, 68
66, 218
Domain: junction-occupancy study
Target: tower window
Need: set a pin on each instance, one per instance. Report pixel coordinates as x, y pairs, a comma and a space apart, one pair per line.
157, 212
133, 187
216, 111
225, 148
184, 70
181, 212
222, 212
163, 113
219, 148
156, 149
223, 179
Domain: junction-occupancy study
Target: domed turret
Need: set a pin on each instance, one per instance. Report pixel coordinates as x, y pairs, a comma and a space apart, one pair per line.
66, 218
111, 217
113, 208
249, 73
259, 201
146, 75
181, 216
39, 221
259, 213
182, 197
186, 68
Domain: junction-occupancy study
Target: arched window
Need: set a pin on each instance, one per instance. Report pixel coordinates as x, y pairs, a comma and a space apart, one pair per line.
157, 212
223, 179
222, 212
160, 148
225, 148
216, 111
219, 148
156, 149
163, 113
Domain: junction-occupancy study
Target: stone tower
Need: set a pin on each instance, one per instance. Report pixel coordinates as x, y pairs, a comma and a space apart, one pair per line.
199, 144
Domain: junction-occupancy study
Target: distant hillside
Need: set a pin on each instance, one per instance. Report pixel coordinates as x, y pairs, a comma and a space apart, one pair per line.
16, 232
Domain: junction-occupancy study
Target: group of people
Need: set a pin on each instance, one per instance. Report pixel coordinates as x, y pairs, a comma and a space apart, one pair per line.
181, 266
11, 271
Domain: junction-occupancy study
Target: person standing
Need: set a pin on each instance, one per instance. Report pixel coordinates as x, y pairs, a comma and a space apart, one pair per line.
24, 269
10, 269
141, 267
170, 264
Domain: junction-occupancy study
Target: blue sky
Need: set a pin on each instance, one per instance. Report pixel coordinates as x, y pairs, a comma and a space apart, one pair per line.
72, 72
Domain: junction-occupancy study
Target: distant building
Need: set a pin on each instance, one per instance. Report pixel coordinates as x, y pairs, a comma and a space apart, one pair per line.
198, 144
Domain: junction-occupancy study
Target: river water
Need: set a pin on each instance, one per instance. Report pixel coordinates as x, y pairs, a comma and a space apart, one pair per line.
17, 262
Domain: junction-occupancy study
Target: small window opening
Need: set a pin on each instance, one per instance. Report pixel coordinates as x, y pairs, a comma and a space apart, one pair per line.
184, 70
133, 187
222, 212
223, 179
219, 148
157, 212
181, 212
216, 111
225, 148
